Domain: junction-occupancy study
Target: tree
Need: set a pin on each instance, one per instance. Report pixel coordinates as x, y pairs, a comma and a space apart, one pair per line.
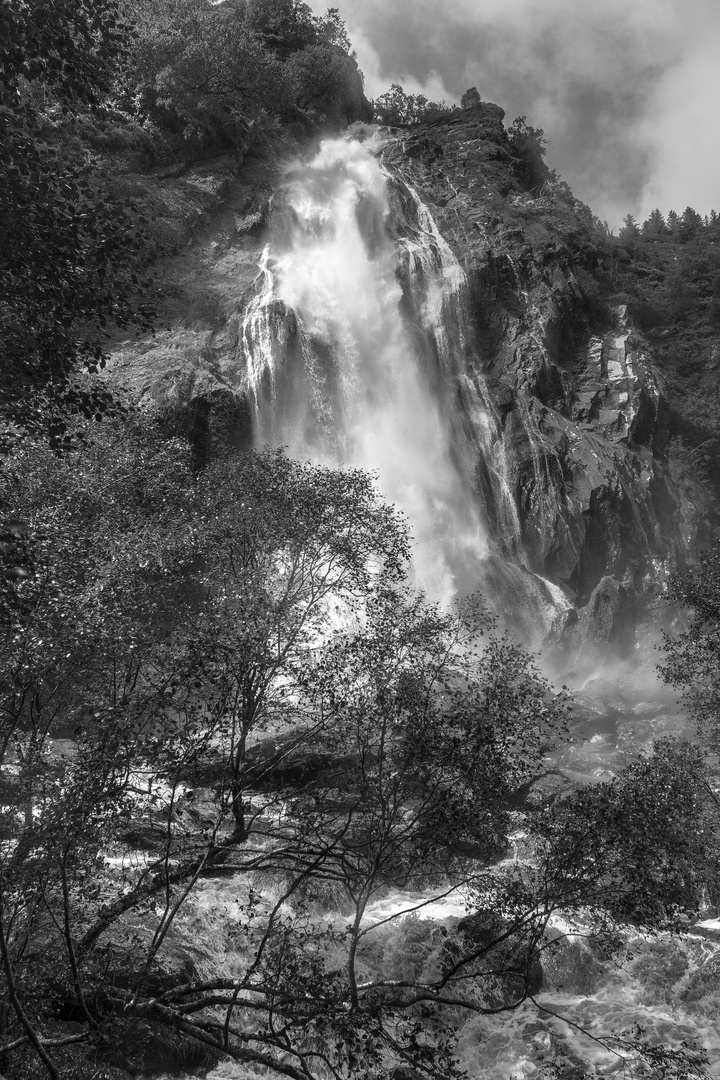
67, 246
692, 656
397, 108
288, 26
654, 228
640, 849
691, 224
470, 98
630, 230
673, 223
203, 73
331, 30
528, 147
93, 660
284, 25
326, 82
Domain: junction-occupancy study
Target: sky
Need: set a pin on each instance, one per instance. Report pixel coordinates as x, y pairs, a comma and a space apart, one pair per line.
626, 91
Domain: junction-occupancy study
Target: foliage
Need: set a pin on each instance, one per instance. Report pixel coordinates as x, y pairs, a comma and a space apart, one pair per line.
398, 109
209, 73
470, 98
326, 83
692, 656
666, 270
198, 71
287, 26
640, 848
67, 247
528, 147
71, 47
225, 674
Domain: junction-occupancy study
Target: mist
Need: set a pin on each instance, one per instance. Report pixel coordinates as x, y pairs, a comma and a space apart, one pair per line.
627, 91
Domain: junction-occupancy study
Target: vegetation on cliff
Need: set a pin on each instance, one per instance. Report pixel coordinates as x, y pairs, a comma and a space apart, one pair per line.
668, 272
68, 245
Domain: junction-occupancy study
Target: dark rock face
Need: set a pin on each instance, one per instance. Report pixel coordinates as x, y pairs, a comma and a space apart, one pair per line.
573, 383
570, 965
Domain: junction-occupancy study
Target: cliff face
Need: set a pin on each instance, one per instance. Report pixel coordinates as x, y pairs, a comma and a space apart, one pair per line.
571, 382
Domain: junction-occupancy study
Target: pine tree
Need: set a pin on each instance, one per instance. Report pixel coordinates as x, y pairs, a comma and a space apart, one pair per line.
690, 225
654, 228
630, 229
673, 224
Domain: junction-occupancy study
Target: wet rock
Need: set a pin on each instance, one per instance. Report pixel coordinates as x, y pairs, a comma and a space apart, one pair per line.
607, 617
288, 761
505, 959
669, 724
568, 965
635, 735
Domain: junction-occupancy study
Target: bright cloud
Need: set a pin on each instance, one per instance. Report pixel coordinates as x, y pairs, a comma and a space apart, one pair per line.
627, 91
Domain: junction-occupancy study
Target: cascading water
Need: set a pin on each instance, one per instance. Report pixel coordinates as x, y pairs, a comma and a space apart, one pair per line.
436, 295
357, 354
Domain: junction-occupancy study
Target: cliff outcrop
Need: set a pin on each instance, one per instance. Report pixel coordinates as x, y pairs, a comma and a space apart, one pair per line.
573, 381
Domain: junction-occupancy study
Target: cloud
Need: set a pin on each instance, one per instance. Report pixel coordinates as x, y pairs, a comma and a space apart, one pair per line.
627, 91
682, 125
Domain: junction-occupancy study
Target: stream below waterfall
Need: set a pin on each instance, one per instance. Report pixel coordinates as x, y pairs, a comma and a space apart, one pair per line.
357, 353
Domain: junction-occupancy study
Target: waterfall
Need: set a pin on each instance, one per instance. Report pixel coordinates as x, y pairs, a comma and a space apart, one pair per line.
437, 298
357, 352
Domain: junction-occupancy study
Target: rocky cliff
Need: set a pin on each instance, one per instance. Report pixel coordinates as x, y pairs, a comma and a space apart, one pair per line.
571, 382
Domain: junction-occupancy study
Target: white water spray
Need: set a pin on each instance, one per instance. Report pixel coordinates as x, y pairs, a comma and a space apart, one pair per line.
334, 371
358, 352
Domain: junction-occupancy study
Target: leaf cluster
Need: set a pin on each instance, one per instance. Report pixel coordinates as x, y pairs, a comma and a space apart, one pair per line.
68, 247
209, 74
528, 147
640, 848
396, 108
692, 655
